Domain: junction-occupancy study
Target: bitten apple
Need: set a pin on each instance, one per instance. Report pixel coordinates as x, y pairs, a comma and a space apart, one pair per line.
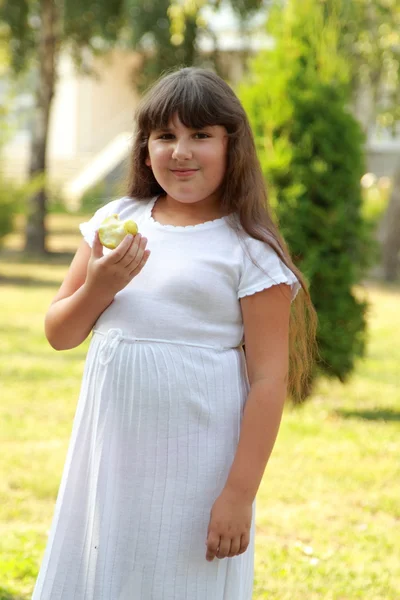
112, 230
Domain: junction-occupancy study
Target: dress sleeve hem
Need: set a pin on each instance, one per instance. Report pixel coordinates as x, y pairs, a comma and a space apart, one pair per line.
87, 233
294, 284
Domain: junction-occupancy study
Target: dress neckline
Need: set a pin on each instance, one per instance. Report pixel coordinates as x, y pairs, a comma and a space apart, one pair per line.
197, 227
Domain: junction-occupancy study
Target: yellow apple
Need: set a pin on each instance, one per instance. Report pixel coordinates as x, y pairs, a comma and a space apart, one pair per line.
112, 231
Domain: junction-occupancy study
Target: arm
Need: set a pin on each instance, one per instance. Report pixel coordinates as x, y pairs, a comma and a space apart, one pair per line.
89, 288
266, 332
266, 335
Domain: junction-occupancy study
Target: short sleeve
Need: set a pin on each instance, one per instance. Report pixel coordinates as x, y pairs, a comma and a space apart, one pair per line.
273, 270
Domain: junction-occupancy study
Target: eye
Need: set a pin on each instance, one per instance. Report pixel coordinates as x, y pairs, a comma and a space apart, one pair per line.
166, 136
201, 135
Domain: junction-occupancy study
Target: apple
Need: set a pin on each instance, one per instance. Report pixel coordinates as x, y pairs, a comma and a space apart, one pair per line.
112, 231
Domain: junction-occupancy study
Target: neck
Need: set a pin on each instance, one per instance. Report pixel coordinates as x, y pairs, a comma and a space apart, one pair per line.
206, 209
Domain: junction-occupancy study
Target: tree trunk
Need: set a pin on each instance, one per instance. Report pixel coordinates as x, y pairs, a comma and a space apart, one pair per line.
391, 231
35, 241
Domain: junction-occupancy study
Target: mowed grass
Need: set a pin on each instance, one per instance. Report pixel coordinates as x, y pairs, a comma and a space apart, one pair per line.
328, 509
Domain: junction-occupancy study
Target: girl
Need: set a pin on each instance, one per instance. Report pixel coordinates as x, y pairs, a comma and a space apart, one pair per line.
175, 424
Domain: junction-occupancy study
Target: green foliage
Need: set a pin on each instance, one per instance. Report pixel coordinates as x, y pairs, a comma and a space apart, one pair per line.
83, 21
8, 207
311, 151
370, 40
13, 199
246, 8
151, 34
8, 204
22, 34
375, 202
164, 31
80, 24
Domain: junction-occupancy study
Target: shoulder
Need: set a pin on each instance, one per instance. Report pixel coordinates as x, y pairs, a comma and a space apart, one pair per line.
128, 207
256, 251
262, 268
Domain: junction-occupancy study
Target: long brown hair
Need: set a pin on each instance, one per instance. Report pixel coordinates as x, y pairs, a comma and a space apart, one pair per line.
202, 98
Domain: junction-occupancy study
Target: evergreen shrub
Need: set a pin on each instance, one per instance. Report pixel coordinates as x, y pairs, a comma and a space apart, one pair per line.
312, 153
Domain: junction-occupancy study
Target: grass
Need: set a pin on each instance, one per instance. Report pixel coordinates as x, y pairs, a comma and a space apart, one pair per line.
328, 512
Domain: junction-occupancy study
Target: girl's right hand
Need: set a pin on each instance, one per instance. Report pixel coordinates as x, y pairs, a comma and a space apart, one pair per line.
108, 275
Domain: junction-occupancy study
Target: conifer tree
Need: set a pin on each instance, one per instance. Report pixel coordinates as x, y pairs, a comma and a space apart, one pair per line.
311, 150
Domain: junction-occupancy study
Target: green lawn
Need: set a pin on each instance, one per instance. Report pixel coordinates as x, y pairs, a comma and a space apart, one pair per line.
328, 509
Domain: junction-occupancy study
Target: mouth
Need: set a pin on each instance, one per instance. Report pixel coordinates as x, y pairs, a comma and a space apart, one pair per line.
183, 172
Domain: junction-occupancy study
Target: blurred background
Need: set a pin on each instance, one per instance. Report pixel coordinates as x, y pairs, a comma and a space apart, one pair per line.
319, 80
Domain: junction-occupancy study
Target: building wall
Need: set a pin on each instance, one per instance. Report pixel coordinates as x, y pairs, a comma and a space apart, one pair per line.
62, 141
106, 101
88, 111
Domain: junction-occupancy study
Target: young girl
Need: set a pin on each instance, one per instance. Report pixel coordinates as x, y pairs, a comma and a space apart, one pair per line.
175, 422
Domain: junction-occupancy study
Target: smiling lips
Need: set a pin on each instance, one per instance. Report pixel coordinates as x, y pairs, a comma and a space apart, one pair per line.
183, 172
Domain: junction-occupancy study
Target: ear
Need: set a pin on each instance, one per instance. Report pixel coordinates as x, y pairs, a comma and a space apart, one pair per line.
148, 162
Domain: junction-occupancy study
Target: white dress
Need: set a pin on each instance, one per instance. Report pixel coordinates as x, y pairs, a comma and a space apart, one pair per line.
158, 421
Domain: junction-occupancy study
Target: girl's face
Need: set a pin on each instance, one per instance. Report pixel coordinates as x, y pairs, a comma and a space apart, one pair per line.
189, 164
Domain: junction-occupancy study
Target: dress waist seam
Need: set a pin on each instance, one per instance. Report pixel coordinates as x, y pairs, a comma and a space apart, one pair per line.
117, 334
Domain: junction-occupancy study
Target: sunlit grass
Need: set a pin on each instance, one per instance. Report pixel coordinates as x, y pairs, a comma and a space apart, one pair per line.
327, 511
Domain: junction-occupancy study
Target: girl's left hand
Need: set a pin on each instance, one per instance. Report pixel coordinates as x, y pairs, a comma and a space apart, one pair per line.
228, 531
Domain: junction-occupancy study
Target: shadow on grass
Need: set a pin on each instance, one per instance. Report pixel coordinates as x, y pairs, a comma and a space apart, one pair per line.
65, 232
381, 414
58, 230
28, 282
50, 258
7, 595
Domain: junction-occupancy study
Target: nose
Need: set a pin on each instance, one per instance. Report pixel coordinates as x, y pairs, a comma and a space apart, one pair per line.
182, 150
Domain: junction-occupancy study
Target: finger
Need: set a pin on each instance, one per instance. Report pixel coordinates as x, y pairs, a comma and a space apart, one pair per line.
121, 249
137, 265
235, 546
131, 253
136, 258
212, 545
97, 247
244, 543
140, 266
224, 547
